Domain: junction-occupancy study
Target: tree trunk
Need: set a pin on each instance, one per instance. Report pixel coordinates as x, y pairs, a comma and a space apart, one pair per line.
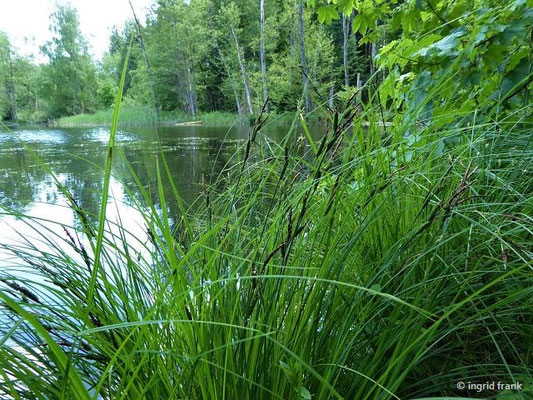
303, 59
331, 93
193, 89
345, 35
191, 95
11, 94
262, 51
243, 72
146, 60
359, 83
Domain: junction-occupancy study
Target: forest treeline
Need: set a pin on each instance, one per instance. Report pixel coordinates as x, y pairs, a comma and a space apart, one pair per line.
193, 56
199, 56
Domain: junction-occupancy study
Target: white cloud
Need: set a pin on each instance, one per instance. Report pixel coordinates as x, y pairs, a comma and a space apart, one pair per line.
27, 21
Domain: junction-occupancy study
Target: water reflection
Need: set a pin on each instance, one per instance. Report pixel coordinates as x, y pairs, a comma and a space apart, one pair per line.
194, 154
78, 154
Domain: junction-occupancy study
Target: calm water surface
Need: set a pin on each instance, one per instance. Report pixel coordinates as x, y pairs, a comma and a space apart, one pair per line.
194, 154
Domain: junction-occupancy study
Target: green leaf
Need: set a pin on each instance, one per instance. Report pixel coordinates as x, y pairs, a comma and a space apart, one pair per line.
516, 76
385, 49
356, 23
512, 33
447, 46
308, 134
387, 89
305, 394
326, 14
346, 6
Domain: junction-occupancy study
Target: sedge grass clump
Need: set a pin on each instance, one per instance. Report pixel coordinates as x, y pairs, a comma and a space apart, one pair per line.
365, 265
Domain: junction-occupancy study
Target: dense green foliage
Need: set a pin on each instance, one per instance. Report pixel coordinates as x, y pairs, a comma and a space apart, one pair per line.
69, 79
17, 83
195, 57
477, 53
68, 84
382, 261
204, 55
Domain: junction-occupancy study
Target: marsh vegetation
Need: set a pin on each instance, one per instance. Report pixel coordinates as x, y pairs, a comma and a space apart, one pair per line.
384, 253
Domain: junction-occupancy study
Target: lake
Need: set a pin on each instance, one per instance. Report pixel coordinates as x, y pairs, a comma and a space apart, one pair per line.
195, 156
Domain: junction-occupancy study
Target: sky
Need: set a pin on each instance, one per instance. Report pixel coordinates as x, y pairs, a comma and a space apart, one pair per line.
27, 22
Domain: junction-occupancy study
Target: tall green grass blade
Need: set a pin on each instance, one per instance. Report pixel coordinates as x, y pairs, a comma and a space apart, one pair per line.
61, 359
308, 134
105, 190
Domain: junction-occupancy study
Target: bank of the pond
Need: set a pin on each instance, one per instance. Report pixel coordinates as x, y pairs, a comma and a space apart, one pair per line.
144, 116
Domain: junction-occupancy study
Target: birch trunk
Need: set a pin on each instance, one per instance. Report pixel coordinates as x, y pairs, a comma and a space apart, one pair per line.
193, 89
262, 52
243, 71
303, 59
345, 35
191, 95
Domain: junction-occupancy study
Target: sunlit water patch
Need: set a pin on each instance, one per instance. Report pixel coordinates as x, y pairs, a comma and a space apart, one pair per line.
53, 137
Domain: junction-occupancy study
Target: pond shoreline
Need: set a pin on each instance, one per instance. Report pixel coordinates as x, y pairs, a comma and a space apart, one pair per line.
132, 116
146, 116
